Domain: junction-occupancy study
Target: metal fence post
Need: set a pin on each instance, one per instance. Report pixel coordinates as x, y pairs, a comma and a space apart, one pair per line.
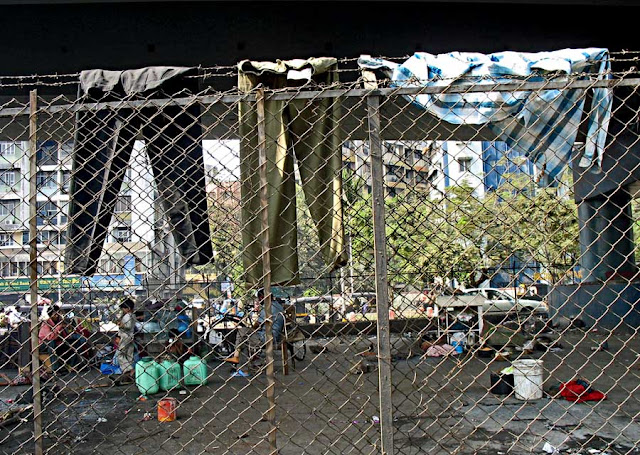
266, 271
382, 294
33, 278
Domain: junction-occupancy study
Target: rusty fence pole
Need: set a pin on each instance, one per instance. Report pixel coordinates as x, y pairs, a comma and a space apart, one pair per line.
382, 294
33, 277
270, 415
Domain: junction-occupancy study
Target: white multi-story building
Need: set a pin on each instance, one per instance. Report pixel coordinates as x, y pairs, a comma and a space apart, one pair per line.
434, 166
133, 232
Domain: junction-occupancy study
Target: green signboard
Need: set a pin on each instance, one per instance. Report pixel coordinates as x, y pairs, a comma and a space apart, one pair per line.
23, 284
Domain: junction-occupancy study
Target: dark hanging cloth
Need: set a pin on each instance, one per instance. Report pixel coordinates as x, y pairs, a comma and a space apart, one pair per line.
103, 143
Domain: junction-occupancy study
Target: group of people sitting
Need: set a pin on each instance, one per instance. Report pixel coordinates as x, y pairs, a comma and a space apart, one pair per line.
66, 342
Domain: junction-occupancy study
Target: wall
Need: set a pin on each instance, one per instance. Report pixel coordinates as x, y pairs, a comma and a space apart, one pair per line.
608, 306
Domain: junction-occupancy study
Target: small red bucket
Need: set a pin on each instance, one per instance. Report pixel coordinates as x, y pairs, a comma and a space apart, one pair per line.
167, 409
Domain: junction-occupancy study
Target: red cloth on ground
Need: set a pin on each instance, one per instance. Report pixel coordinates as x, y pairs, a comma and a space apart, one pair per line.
573, 391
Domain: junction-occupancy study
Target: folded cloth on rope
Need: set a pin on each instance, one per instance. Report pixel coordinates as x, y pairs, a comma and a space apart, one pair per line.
542, 124
579, 391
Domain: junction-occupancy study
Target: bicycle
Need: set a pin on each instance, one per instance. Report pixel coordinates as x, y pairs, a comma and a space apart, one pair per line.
221, 336
294, 338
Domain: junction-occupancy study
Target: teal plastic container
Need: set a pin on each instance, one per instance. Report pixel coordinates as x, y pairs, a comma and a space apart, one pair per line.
170, 373
195, 371
147, 376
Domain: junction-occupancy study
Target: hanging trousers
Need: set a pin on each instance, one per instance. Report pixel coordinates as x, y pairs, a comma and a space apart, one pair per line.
103, 143
309, 131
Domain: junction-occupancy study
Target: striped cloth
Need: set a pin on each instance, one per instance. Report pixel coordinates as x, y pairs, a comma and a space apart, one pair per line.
541, 124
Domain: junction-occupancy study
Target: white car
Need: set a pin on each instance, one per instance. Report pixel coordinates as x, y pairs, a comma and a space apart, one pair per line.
497, 301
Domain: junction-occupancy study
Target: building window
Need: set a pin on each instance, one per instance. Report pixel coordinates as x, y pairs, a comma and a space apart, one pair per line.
46, 180
47, 268
394, 173
6, 239
19, 268
123, 204
8, 212
47, 212
465, 164
64, 210
422, 177
8, 178
126, 181
48, 238
4, 269
122, 234
25, 237
66, 148
66, 180
47, 154
8, 148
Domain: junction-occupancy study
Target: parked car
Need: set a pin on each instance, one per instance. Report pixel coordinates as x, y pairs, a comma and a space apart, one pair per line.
496, 301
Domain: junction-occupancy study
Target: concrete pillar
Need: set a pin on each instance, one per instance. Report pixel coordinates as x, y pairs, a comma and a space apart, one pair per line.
606, 236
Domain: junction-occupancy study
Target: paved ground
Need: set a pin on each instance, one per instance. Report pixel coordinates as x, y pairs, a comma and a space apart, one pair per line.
442, 405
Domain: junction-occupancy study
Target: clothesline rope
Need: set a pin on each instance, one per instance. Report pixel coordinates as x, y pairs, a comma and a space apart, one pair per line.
222, 71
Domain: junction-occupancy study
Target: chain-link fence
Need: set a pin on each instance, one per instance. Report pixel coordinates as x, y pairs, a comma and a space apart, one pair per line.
447, 260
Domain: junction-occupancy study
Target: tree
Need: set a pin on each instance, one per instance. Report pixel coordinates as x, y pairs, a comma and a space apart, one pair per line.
536, 224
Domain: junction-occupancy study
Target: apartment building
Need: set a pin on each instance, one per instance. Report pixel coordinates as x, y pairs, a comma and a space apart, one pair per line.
434, 166
132, 230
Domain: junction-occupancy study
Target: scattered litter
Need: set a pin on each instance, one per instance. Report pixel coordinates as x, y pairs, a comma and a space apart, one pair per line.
147, 416
101, 420
375, 419
183, 392
548, 448
142, 398
579, 390
602, 347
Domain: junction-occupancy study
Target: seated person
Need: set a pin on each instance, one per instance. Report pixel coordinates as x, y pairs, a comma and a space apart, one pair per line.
250, 338
176, 348
79, 339
53, 336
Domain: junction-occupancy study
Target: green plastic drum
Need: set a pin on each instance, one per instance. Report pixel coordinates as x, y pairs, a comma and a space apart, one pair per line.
147, 376
170, 374
195, 371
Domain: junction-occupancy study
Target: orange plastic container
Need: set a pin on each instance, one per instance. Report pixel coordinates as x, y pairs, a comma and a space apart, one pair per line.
167, 409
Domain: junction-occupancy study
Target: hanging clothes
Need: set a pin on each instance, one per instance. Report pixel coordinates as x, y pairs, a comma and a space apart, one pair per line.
542, 124
103, 143
309, 131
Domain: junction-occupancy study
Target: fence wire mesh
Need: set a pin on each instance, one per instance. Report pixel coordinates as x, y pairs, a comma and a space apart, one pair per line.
432, 283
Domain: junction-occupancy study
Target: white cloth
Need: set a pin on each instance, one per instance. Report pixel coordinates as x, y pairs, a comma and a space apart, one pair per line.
15, 318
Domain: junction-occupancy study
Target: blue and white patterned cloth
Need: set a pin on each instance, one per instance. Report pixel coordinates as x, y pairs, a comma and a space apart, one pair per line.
542, 124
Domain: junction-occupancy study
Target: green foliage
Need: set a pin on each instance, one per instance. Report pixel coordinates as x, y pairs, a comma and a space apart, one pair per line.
311, 292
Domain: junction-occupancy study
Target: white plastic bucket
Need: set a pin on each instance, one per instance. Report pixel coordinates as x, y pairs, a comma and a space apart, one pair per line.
527, 379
